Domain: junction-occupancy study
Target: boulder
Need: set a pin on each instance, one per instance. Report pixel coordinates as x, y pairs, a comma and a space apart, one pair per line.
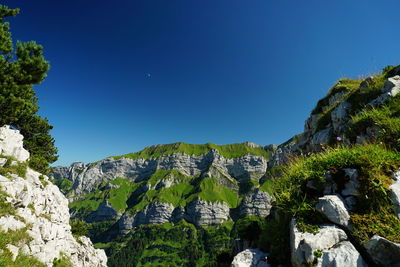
333, 207
391, 88
383, 251
11, 143
328, 247
352, 185
250, 258
339, 116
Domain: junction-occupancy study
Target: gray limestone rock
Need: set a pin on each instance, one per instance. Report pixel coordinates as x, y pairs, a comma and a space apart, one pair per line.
331, 242
351, 187
88, 177
339, 116
250, 258
333, 207
43, 209
201, 212
256, 203
383, 251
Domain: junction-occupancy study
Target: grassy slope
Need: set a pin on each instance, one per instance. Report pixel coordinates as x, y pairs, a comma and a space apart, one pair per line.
228, 151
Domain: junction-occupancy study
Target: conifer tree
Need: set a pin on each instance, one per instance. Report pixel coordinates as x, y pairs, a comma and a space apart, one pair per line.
22, 66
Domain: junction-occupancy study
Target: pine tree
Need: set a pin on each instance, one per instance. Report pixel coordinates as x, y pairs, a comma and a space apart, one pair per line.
21, 68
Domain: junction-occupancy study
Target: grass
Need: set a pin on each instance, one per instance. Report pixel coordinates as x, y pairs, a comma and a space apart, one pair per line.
161, 174
175, 194
227, 151
373, 213
19, 169
385, 118
16, 238
62, 261
64, 184
210, 190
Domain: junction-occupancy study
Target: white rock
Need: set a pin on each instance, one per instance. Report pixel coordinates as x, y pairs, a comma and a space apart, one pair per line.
250, 258
49, 223
10, 223
395, 189
343, 254
303, 245
11, 144
390, 89
3, 161
334, 209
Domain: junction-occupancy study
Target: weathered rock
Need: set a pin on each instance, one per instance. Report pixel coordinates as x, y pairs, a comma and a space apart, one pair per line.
250, 258
339, 116
88, 177
390, 89
343, 254
257, 203
11, 143
334, 209
311, 124
352, 185
154, 213
322, 137
383, 251
43, 210
395, 189
331, 242
200, 212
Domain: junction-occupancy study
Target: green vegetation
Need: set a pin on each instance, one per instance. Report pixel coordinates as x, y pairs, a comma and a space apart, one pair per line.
16, 238
210, 190
385, 119
78, 228
63, 261
227, 151
63, 184
9, 168
20, 69
374, 210
172, 245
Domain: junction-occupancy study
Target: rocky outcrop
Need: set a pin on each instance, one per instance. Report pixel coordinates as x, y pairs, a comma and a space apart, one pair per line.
87, 177
250, 258
201, 212
11, 144
256, 203
41, 210
329, 247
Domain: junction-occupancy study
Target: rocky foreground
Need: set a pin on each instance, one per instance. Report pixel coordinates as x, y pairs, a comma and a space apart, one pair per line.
35, 210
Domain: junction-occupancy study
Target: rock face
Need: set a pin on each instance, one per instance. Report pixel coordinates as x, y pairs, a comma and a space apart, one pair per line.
105, 212
250, 258
200, 212
329, 247
87, 177
256, 203
42, 210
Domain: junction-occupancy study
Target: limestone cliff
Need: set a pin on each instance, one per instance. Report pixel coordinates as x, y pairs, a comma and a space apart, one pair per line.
34, 211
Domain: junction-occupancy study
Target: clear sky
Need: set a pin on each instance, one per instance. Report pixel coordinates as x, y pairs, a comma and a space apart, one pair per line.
126, 74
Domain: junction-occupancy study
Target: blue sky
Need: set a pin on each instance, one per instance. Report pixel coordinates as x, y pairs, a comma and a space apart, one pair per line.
126, 74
